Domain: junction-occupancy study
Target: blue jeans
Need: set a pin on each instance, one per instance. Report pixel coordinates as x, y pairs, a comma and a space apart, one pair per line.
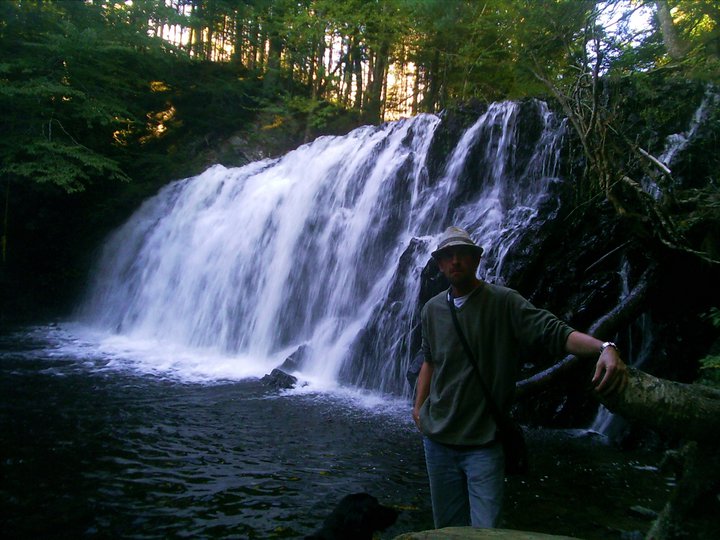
466, 485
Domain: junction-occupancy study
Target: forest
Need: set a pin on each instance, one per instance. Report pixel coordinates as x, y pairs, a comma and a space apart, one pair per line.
105, 101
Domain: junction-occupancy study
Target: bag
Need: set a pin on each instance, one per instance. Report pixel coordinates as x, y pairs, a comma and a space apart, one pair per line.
512, 438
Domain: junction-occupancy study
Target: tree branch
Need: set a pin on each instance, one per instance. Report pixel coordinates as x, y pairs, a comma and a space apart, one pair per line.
604, 328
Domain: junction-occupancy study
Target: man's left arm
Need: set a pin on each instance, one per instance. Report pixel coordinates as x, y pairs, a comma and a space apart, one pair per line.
610, 371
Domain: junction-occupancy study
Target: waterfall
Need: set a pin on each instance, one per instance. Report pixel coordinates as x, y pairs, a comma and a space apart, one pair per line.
323, 247
677, 142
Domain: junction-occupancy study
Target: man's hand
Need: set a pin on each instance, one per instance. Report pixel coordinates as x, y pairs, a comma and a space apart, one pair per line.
610, 373
416, 416
422, 390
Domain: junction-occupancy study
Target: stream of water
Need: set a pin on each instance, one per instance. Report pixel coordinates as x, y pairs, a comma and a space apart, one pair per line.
94, 446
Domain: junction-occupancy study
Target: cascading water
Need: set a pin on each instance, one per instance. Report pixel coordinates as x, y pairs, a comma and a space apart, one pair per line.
676, 142
322, 247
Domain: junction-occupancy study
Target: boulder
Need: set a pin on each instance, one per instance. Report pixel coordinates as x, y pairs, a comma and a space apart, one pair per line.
471, 533
279, 379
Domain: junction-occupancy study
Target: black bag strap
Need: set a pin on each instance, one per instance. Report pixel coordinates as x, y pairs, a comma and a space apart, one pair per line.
494, 411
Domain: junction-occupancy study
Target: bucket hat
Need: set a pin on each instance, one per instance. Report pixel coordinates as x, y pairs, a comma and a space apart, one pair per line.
455, 236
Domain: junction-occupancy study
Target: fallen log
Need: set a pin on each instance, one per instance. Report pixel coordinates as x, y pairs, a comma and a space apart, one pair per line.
687, 412
684, 411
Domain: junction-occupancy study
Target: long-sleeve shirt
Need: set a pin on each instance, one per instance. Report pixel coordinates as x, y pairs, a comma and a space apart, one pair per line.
498, 324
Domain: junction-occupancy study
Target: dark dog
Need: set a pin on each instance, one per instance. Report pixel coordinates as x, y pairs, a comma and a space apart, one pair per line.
356, 517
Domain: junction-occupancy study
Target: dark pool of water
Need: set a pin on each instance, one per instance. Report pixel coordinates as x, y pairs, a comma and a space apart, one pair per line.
87, 451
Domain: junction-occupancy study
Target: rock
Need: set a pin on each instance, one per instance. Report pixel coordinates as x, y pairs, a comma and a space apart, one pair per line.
277, 378
295, 361
470, 533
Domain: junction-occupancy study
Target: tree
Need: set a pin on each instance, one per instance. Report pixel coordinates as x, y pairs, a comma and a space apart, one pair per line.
76, 87
691, 35
51, 117
588, 70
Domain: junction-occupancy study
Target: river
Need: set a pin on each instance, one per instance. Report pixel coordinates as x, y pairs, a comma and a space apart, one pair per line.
95, 445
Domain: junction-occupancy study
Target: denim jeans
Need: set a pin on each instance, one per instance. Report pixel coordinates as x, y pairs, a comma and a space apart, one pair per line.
466, 485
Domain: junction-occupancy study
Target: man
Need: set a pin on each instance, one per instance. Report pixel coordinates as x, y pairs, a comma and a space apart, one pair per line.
465, 463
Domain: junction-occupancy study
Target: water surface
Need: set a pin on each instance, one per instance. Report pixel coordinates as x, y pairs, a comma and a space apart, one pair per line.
92, 447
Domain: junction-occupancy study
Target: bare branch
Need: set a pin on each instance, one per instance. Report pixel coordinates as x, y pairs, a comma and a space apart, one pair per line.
604, 328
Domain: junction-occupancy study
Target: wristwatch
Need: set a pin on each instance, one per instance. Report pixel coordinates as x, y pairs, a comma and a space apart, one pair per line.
606, 345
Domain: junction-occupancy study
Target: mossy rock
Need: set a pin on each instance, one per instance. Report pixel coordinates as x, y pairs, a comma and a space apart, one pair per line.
471, 533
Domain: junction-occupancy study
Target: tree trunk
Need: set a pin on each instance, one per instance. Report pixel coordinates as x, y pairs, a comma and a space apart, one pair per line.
261, 41
416, 91
685, 411
324, 88
238, 45
272, 73
676, 47
688, 412
373, 101
347, 75
357, 70
317, 77
432, 79
197, 45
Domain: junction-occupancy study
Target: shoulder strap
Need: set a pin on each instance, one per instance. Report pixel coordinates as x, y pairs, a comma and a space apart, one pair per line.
494, 411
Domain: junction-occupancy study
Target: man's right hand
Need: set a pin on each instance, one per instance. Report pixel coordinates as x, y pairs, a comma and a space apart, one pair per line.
416, 417
422, 390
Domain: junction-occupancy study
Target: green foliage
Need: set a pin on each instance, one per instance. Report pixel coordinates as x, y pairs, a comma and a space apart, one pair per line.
710, 371
713, 316
319, 114
68, 93
710, 364
69, 166
698, 25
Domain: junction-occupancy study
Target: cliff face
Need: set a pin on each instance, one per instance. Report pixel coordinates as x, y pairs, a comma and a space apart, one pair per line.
583, 260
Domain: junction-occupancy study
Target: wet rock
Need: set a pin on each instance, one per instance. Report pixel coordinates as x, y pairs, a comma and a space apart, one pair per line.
295, 361
277, 378
471, 533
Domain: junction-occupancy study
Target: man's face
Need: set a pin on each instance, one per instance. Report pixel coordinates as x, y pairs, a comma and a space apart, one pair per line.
459, 265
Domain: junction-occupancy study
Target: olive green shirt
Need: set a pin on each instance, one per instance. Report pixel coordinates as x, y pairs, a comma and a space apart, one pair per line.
498, 324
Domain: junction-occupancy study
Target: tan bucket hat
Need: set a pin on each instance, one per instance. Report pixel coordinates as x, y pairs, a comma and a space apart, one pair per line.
455, 236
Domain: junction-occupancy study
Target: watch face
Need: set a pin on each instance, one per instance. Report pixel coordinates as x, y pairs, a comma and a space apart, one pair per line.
606, 345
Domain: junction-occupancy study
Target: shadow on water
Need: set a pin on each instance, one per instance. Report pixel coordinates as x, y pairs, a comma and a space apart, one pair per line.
87, 451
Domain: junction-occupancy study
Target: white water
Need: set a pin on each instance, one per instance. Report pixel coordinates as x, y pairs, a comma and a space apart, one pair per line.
677, 142
225, 274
